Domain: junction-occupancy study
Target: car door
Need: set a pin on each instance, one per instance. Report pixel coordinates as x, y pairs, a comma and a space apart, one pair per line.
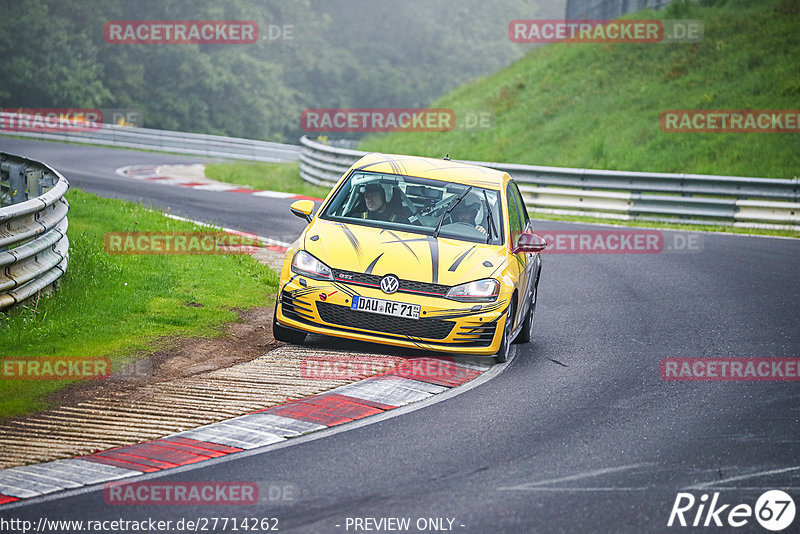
518, 221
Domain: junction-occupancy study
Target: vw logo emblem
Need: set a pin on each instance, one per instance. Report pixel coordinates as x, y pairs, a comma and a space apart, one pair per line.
390, 284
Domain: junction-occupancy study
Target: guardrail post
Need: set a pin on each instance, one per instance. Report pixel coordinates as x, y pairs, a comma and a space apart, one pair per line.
16, 182
34, 187
46, 181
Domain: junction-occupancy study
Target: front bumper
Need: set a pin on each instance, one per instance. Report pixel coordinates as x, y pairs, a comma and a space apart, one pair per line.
445, 325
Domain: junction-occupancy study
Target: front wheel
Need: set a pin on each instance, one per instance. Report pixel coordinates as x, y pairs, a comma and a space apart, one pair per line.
526, 333
287, 335
505, 344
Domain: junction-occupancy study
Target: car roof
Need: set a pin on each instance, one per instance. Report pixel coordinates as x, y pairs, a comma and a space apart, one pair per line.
435, 169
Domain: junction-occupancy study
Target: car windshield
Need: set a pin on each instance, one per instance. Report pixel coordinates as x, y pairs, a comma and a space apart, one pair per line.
419, 205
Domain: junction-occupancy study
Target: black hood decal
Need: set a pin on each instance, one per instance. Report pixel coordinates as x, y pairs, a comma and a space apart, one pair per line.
460, 259
353, 239
372, 265
405, 242
433, 243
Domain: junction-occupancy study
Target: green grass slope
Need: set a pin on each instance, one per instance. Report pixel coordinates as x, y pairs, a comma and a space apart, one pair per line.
124, 306
598, 105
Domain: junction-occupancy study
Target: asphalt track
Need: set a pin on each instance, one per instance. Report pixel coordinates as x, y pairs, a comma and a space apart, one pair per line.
92, 169
578, 434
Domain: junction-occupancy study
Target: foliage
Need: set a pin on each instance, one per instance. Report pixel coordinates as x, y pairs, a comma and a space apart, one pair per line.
389, 54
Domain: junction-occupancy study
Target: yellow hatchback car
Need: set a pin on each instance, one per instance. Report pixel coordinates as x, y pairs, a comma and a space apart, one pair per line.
414, 252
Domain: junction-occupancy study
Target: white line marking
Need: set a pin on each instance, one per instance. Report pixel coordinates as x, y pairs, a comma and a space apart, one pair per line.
273, 194
213, 187
579, 476
263, 239
707, 485
607, 489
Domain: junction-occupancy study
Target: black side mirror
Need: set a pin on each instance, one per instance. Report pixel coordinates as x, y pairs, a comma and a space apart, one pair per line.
303, 209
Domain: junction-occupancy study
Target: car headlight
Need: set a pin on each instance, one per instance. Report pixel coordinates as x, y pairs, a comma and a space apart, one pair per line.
485, 290
307, 265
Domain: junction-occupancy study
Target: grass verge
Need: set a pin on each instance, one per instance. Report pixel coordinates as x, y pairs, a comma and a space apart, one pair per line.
124, 306
597, 106
268, 176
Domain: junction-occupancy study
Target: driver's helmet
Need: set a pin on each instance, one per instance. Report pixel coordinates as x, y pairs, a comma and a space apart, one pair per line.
467, 210
383, 188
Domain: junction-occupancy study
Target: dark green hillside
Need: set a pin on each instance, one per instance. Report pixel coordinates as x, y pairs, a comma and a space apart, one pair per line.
597, 106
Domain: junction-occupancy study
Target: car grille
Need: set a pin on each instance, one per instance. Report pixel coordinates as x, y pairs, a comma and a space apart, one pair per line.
406, 286
422, 328
294, 308
476, 335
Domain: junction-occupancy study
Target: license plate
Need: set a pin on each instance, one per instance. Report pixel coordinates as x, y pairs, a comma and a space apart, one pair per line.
385, 307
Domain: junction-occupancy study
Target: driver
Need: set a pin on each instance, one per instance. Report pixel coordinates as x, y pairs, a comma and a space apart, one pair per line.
377, 208
466, 212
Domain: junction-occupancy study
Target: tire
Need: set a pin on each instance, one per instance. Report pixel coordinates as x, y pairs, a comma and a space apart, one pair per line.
505, 344
526, 333
287, 335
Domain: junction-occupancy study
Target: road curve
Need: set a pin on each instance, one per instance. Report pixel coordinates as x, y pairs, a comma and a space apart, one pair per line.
93, 169
579, 433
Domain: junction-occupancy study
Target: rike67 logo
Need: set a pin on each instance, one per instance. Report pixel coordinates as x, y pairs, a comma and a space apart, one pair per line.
774, 510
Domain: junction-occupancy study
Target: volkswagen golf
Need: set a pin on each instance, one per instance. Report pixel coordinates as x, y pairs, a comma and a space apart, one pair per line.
414, 252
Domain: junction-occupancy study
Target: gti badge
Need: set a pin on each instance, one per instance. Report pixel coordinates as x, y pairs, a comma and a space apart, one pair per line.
389, 284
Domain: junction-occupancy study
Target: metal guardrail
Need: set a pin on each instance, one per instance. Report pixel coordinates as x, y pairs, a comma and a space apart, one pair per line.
609, 9
34, 248
689, 198
162, 140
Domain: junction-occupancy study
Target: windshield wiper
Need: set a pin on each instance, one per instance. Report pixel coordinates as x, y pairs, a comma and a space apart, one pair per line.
490, 218
449, 209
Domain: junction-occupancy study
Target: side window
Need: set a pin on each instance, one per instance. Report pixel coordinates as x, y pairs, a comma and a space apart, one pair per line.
515, 220
524, 219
